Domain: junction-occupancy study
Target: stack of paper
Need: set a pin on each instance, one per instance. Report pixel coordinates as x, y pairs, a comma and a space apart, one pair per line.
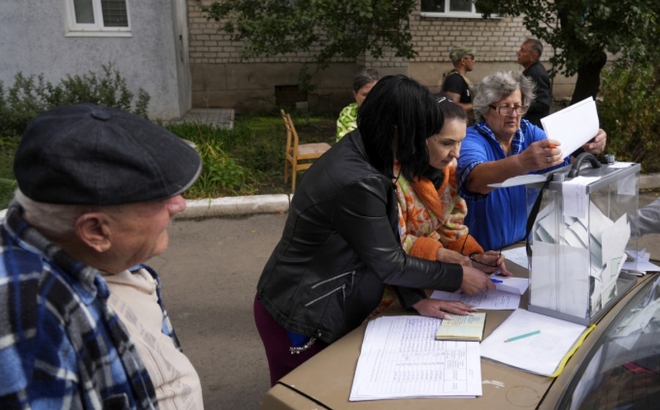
639, 262
506, 295
463, 328
400, 358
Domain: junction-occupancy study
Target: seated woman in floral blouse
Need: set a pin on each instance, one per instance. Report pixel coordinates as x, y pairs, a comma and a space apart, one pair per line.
431, 212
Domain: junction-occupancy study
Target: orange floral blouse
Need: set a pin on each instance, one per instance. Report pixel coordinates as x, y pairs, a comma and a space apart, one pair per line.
430, 219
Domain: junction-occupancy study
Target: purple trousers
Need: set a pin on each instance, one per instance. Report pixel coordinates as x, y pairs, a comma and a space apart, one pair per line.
276, 342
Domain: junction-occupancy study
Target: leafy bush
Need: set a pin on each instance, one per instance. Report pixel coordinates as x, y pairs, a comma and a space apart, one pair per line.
250, 158
7, 182
629, 113
32, 95
222, 174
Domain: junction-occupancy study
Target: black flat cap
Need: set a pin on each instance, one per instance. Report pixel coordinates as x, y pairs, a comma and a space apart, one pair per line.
87, 154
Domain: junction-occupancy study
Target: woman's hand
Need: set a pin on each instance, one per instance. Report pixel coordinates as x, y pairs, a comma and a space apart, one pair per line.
442, 308
490, 262
541, 154
475, 281
596, 145
449, 256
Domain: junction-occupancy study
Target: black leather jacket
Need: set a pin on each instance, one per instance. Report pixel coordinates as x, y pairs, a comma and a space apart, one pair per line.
339, 248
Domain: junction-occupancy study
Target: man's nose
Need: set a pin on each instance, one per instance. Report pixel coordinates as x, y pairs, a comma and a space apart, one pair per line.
176, 204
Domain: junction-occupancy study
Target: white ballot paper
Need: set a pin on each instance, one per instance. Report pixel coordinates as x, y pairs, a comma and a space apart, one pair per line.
526, 179
540, 353
640, 262
573, 126
400, 358
491, 300
517, 256
511, 284
576, 200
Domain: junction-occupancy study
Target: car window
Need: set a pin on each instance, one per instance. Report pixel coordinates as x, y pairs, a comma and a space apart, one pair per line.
623, 370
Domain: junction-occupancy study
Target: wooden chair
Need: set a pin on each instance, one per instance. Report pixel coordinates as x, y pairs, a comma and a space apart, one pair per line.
296, 152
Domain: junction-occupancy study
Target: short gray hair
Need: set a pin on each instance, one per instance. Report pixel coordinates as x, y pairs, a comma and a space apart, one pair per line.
53, 220
535, 45
498, 85
57, 220
365, 76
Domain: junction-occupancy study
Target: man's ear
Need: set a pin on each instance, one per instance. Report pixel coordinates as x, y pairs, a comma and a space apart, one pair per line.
94, 230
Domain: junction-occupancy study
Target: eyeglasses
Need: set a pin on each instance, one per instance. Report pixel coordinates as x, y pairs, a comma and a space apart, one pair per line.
506, 110
471, 256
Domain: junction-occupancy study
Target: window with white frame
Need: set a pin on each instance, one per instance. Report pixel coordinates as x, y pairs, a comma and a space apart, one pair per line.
449, 8
98, 17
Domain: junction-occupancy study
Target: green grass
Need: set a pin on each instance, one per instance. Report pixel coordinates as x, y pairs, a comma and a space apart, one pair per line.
7, 182
248, 160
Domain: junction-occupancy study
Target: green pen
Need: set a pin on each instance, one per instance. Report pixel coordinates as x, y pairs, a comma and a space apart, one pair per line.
511, 339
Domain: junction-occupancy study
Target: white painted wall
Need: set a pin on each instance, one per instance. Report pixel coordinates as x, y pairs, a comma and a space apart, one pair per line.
33, 41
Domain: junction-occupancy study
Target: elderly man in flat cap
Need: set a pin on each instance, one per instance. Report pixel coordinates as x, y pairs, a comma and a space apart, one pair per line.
456, 84
82, 325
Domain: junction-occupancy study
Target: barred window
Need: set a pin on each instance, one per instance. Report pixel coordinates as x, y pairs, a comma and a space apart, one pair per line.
114, 13
98, 17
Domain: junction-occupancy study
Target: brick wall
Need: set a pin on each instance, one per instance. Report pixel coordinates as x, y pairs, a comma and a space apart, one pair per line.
222, 79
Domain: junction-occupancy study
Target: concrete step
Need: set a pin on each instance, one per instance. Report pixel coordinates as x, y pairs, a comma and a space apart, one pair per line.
220, 117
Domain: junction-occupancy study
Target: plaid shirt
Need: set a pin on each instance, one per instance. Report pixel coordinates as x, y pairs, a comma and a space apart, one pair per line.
61, 346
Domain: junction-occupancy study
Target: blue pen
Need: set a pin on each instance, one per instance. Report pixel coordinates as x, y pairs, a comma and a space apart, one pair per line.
497, 272
496, 280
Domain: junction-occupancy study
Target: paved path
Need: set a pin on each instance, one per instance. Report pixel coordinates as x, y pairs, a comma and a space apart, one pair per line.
209, 275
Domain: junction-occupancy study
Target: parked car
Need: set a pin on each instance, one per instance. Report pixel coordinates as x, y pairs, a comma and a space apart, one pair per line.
617, 367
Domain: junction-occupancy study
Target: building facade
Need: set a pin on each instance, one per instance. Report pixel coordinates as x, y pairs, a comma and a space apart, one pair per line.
220, 78
146, 41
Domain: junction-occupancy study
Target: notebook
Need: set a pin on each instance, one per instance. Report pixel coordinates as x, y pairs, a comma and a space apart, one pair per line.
462, 328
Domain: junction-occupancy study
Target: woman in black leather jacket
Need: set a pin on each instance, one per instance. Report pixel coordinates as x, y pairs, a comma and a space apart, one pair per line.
340, 244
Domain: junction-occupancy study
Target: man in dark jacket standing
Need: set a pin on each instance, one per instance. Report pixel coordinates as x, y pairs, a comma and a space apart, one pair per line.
528, 56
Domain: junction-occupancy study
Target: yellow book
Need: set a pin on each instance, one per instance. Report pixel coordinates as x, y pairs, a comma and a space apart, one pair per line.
462, 328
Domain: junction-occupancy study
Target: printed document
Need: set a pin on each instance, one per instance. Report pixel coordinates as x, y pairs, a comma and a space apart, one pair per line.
491, 300
400, 358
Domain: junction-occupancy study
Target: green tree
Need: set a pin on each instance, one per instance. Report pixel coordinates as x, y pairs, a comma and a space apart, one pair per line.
582, 31
327, 28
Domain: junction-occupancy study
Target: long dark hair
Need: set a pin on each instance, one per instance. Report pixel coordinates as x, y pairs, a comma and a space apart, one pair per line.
399, 110
450, 110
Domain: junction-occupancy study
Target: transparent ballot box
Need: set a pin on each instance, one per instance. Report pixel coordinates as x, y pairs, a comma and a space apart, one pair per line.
580, 239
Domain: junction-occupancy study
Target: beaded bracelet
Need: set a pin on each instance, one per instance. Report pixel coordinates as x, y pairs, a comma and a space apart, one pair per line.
298, 350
